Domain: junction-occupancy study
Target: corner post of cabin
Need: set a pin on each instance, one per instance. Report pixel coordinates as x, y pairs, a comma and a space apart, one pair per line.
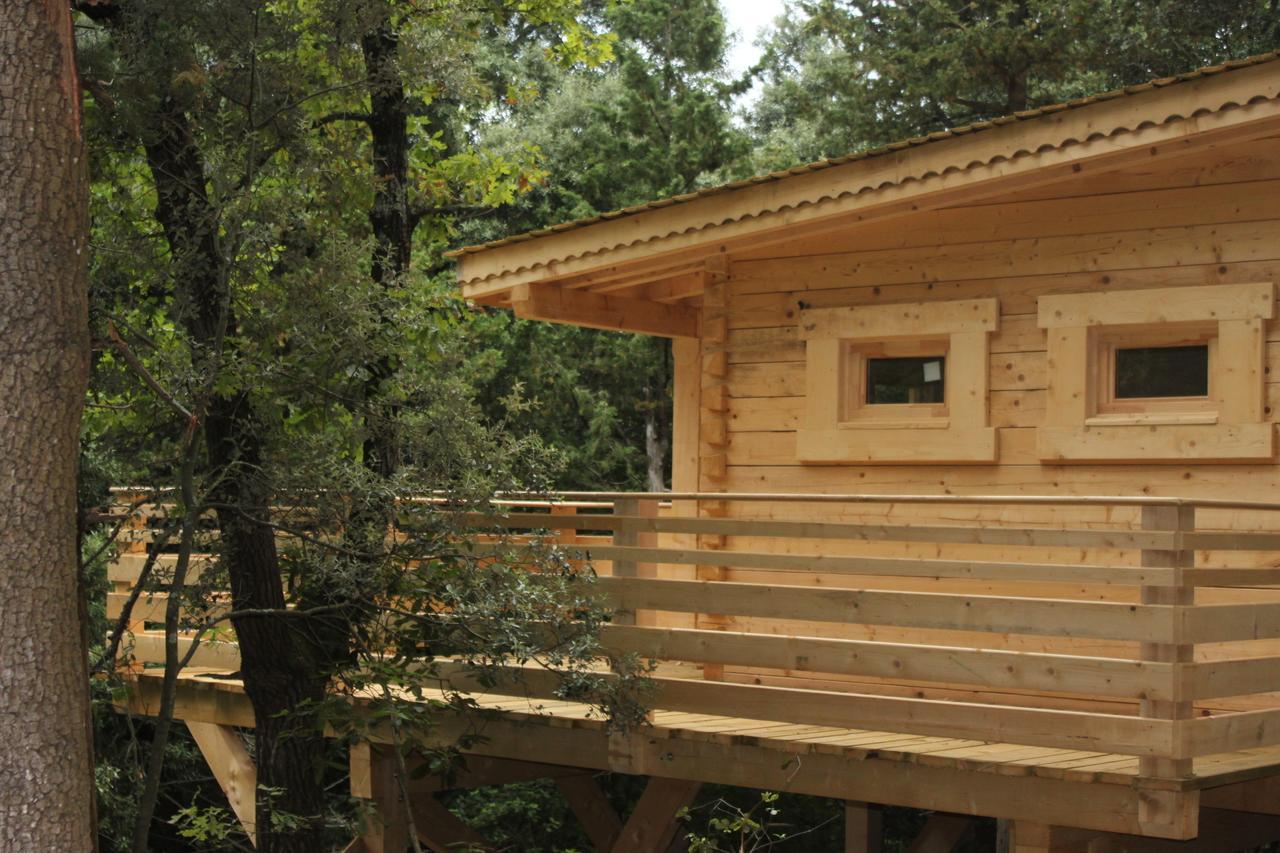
634, 528
1159, 807
713, 429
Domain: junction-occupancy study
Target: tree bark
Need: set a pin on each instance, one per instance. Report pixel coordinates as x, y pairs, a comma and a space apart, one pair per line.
46, 782
279, 665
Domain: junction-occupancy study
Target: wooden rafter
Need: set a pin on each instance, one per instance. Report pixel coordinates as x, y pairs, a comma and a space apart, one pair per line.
614, 313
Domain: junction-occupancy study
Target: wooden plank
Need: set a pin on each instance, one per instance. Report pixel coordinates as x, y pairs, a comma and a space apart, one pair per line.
833, 530
1037, 727
988, 667
1144, 443
1102, 620
827, 563
1178, 305
652, 826
917, 319
633, 537
224, 752
592, 808
613, 313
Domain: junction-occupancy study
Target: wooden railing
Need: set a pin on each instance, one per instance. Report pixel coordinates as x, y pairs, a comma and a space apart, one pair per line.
1139, 626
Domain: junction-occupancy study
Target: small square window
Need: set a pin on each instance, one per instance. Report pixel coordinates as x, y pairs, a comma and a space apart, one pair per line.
895, 381
905, 380
1176, 371
1154, 370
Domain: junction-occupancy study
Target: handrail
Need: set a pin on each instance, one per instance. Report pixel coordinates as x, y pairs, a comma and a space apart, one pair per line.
1087, 641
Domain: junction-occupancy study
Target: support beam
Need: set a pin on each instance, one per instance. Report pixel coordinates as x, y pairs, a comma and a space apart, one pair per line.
653, 825
482, 770
592, 808
224, 752
441, 830
863, 827
373, 778
942, 834
615, 313
1220, 832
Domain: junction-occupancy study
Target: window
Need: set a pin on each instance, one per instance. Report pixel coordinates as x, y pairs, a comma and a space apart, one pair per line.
893, 381
1153, 370
899, 381
877, 374
1157, 375
1150, 372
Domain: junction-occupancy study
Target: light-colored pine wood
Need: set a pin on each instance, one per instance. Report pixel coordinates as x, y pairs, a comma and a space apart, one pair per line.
224, 752
653, 824
613, 313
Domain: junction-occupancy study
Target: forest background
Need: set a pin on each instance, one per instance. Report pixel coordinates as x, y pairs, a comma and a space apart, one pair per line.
274, 186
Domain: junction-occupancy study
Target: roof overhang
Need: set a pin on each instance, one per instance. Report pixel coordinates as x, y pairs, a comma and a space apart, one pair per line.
644, 269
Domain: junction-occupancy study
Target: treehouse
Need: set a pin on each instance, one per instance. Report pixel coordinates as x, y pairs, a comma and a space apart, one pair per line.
976, 500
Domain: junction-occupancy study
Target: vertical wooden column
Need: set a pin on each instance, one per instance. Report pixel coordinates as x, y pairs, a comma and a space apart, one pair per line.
635, 535
1168, 807
863, 827
713, 432
686, 355
373, 779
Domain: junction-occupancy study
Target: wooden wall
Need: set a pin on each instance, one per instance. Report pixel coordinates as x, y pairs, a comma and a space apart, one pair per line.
1212, 218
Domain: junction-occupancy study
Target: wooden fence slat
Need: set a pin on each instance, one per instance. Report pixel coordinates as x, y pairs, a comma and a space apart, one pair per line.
1094, 619
988, 667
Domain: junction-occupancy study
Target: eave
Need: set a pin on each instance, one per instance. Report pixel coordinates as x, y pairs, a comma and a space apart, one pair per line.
644, 270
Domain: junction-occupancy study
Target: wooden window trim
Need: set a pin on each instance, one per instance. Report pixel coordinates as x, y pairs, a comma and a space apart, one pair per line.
839, 427
857, 413
1085, 423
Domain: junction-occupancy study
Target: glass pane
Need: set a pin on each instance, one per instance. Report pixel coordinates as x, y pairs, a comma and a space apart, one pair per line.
905, 380
1162, 372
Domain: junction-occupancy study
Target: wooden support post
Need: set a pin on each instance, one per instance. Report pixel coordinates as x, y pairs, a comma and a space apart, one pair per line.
592, 808
713, 430
373, 778
863, 827
653, 825
627, 535
226, 756
1170, 807
942, 833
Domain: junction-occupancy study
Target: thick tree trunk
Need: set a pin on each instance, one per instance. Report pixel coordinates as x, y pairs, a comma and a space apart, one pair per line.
278, 662
46, 788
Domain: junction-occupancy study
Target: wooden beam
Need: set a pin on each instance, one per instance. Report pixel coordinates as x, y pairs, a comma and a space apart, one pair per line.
226, 756
592, 808
653, 824
1220, 832
480, 771
441, 830
373, 779
942, 834
614, 313
863, 827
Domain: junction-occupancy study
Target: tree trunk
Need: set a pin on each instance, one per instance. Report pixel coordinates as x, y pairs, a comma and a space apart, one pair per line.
46, 787
278, 663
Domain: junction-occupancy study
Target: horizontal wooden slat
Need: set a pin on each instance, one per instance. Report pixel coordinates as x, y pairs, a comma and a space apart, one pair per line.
890, 566
1239, 677
1037, 727
1102, 620
1242, 541
1232, 732
1043, 537
1015, 670
1221, 623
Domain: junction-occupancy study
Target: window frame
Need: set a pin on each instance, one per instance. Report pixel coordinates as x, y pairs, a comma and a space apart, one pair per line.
1109, 340
835, 429
857, 357
1084, 423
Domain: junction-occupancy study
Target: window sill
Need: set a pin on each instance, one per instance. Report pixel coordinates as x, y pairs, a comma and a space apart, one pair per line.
1153, 419
871, 423
1173, 443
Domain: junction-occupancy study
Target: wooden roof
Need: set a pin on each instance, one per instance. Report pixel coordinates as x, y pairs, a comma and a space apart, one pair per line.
632, 268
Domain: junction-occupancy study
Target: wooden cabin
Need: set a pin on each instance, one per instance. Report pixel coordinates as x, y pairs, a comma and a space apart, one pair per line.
976, 500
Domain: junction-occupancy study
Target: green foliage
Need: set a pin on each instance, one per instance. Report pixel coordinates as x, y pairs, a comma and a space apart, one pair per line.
841, 75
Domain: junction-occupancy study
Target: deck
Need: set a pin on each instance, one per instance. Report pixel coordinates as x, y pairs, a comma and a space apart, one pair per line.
1087, 668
